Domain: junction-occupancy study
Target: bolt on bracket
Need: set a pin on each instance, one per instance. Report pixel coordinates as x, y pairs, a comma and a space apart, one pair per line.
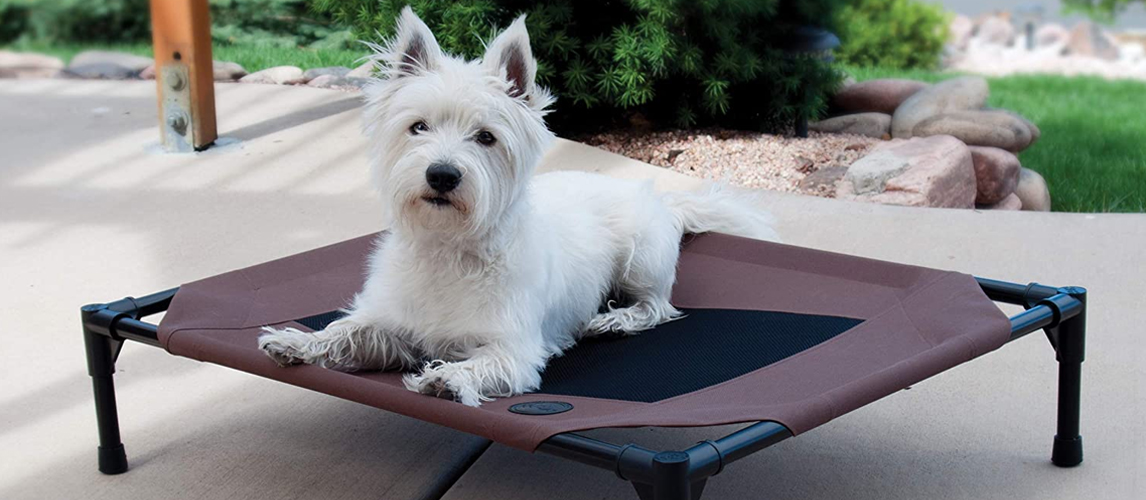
176, 132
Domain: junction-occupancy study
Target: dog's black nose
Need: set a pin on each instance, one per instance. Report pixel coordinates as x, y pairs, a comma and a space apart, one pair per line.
443, 177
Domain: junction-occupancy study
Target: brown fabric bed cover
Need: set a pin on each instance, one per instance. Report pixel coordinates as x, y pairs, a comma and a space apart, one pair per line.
910, 323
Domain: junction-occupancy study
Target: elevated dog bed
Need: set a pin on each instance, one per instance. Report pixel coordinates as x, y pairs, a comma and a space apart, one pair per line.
786, 337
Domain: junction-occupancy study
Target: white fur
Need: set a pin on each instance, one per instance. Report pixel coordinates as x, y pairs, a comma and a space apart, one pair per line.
480, 293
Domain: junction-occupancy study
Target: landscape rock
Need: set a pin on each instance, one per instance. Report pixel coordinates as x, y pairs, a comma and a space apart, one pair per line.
1034, 130
824, 180
226, 71
129, 61
1011, 202
956, 94
364, 71
324, 81
996, 174
99, 64
1032, 191
934, 171
961, 29
277, 75
875, 125
1088, 39
99, 71
28, 65
313, 73
338, 82
1131, 53
1050, 35
996, 31
979, 128
882, 96
354, 82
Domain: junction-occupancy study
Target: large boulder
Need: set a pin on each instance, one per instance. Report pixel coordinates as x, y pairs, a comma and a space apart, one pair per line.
366, 70
324, 81
961, 29
1034, 130
875, 125
1011, 202
823, 181
223, 71
933, 172
996, 174
28, 65
276, 75
1051, 35
995, 30
105, 65
337, 71
338, 82
956, 94
978, 128
1131, 53
226, 71
882, 96
1032, 191
1088, 39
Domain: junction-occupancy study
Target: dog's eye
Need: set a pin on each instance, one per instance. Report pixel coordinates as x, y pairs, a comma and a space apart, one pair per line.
418, 128
485, 138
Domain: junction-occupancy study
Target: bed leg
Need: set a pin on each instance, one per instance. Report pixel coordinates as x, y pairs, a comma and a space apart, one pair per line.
101, 354
1071, 347
670, 479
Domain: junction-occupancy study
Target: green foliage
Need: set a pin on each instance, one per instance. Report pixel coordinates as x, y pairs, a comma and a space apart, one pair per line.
87, 20
13, 21
1102, 10
677, 62
892, 33
269, 23
273, 23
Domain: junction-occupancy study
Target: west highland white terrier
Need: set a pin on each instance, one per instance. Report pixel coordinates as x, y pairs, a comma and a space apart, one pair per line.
488, 271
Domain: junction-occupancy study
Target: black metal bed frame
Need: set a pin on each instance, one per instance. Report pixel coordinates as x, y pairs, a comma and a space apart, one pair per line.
663, 475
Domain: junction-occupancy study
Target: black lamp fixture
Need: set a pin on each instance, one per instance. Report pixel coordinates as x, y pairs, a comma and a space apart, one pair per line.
810, 41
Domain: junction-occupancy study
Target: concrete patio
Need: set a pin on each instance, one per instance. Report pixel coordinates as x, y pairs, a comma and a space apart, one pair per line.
89, 212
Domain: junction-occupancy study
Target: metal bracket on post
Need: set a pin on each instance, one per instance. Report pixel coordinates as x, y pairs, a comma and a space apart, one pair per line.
176, 132
184, 74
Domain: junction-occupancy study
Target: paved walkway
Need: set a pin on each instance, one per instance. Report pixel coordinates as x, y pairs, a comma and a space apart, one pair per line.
88, 212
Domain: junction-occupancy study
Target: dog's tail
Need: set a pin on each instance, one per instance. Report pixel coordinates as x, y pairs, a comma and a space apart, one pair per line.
721, 209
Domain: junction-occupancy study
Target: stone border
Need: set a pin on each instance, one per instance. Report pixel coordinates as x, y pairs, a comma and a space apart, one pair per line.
944, 147
104, 65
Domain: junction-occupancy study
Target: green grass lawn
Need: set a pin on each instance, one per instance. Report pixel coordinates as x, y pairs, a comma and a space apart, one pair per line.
252, 58
1093, 147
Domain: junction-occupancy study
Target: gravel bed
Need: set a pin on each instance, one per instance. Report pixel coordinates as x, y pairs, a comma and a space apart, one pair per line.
749, 159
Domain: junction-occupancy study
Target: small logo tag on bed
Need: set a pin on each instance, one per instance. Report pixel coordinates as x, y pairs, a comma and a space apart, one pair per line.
541, 408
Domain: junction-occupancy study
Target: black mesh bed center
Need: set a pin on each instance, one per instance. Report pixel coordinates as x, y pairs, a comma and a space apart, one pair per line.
704, 348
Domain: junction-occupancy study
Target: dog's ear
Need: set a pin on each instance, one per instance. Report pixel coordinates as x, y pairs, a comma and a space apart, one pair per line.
414, 50
509, 56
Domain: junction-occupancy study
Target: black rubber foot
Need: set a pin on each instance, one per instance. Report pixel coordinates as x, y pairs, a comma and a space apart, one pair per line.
1067, 452
112, 460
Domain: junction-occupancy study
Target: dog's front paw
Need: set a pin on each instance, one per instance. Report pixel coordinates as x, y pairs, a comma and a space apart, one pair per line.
283, 346
447, 381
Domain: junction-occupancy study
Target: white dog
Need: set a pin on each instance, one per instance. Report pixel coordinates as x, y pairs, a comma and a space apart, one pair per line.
488, 272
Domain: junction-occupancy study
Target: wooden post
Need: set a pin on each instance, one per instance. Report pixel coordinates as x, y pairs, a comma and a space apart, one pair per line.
184, 74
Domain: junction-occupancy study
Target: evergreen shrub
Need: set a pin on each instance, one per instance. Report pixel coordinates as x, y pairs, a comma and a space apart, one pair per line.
675, 62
